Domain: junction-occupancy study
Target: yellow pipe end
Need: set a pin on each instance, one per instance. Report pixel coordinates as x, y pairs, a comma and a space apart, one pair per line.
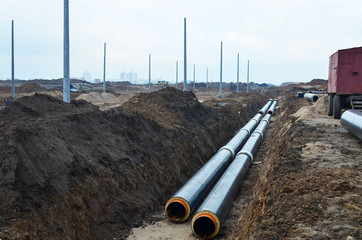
205, 224
177, 209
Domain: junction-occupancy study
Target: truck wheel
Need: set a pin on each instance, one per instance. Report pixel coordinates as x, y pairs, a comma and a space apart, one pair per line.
337, 107
330, 105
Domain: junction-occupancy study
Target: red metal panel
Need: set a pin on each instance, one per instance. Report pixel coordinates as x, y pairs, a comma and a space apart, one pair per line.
345, 72
332, 78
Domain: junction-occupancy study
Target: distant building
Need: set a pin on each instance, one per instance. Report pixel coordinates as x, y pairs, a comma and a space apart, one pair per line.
87, 76
123, 76
97, 80
128, 76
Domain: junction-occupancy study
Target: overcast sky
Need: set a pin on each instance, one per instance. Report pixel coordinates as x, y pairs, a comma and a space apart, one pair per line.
285, 40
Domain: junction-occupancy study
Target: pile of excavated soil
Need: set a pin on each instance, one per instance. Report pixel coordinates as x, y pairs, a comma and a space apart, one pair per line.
25, 88
310, 184
318, 108
71, 171
96, 97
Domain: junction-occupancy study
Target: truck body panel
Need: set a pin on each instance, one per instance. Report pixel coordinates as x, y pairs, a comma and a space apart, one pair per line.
345, 72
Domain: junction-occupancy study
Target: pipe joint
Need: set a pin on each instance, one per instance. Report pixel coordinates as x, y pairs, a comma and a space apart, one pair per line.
229, 149
260, 132
246, 130
265, 120
247, 153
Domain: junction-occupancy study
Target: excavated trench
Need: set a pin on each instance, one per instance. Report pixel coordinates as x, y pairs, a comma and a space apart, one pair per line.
71, 171
310, 182
308, 185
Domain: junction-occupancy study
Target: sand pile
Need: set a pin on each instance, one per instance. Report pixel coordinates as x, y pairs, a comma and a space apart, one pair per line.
98, 98
319, 108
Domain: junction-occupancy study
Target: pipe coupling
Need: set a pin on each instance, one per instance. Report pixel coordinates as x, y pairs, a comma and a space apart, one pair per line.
260, 132
265, 120
247, 153
246, 130
229, 149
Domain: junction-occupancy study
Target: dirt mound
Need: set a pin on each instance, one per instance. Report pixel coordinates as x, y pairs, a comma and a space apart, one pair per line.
71, 171
25, 88
96, 97
30, 87
319, 107
318, 82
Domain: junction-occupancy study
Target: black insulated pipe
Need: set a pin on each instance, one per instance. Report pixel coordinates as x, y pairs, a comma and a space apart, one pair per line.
351, 120
179, 207
206, 223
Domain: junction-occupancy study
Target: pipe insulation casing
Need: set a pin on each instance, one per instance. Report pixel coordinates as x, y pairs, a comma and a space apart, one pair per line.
235, 144
206, 223
311, 96
272, 108
184, 201
217, 203
179, 207
351, 120
263, 111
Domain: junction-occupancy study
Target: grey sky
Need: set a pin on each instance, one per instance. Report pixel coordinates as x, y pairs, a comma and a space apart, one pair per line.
285, 40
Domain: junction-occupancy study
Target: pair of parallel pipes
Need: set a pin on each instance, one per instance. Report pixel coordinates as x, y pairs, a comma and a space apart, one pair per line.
205, 223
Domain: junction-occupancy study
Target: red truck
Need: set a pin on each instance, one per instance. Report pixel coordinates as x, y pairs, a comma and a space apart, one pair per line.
345, 81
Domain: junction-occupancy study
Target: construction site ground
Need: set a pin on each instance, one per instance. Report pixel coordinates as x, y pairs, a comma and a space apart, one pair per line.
103, 166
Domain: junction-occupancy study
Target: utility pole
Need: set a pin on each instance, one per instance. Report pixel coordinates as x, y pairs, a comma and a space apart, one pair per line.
247, 79
185, 60
66, 80
237, 76
220, 95
207, 77
149, 73
104, 70
177, 74
12, 61
194, 78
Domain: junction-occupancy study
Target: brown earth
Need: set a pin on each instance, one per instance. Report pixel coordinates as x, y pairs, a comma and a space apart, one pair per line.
25, 88
307, 187
310, 183
71, 171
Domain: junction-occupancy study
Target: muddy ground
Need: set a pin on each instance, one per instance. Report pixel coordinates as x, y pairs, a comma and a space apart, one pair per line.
105, 170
